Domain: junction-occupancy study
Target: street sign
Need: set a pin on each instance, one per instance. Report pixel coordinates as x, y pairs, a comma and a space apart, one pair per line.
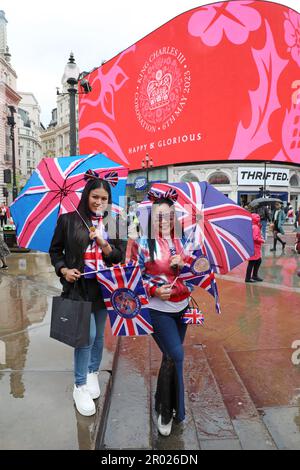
140, 183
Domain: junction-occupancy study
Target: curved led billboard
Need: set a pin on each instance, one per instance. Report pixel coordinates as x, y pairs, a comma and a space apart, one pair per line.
219, 82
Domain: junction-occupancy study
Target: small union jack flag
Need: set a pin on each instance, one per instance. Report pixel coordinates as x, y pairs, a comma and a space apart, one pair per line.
198, 272
193, 316
126, 300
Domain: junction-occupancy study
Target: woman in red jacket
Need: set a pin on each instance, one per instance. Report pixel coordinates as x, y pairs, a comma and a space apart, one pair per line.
255, 261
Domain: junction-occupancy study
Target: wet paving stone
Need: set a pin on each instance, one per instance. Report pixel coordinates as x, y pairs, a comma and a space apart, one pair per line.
284, 425
129, 420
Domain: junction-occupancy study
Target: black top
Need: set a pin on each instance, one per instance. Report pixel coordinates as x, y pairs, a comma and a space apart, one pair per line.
65, 251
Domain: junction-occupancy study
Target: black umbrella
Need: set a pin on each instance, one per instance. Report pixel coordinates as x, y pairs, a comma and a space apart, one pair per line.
264, 201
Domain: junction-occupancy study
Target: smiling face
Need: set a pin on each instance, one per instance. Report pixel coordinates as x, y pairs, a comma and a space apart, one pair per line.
98, 200
163, 219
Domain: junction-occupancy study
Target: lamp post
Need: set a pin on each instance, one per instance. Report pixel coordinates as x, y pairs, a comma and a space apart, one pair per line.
147, 164
70, 77
12, 124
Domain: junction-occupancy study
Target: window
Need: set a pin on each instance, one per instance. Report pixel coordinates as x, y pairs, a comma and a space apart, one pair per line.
28, 153
218, 178
294, 181
189, 178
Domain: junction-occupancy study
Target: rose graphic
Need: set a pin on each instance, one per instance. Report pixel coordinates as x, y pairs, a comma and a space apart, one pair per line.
292, 34
235, 19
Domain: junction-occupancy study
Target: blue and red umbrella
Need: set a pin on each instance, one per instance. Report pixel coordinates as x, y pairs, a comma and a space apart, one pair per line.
55, 188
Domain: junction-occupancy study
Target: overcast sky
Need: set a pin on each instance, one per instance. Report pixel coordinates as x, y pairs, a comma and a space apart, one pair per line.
41, 35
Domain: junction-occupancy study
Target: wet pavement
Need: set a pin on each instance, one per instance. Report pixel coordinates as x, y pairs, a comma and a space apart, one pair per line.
242, 387
36, 372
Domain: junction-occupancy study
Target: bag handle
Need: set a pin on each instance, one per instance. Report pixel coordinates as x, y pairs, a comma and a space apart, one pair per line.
75, 289
194, 304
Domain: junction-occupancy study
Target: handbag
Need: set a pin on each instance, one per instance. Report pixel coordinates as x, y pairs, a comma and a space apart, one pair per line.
70, 319
193, 314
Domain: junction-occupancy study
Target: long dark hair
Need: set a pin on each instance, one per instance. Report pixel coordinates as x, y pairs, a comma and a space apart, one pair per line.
81, 234
177, 230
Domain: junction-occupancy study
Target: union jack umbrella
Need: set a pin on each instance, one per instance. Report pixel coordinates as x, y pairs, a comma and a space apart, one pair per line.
211, 221
55, 188
126, 300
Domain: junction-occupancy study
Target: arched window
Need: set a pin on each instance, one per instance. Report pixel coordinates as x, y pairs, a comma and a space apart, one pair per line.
218, 178
189, 178
294, 181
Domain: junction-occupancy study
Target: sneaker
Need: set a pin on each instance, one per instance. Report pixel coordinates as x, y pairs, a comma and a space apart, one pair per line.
251, 281
92, 384
164, 429
273, 249
258, 279
83, 401
4, 266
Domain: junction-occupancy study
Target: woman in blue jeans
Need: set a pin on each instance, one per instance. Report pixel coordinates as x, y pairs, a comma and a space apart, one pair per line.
80, 239
160, 256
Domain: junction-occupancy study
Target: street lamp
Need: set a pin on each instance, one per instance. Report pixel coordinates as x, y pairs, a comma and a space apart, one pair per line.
72, 77
12, 124
147, 164
71, 74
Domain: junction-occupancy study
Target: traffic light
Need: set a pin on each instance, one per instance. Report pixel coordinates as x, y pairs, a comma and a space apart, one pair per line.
7, 176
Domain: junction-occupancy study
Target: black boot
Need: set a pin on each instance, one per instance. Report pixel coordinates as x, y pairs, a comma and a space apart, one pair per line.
165, 397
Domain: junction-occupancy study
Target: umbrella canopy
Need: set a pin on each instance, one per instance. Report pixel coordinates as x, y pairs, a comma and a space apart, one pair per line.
55, 187
264, 201
221, 228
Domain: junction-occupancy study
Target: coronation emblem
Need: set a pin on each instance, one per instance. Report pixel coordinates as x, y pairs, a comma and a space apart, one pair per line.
126, 303
162, 89
200, 265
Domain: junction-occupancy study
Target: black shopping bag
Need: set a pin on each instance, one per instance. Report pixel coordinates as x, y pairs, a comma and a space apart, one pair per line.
70, 321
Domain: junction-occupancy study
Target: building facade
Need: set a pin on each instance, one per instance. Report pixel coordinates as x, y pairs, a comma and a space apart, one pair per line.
242, 182
29, 136
56, 138
8, 97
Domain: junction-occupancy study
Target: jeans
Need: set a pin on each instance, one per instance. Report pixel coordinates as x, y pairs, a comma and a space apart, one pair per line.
88, 358
169, 334
264, 224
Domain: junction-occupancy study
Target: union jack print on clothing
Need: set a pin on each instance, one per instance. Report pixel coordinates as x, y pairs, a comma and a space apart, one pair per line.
126, 300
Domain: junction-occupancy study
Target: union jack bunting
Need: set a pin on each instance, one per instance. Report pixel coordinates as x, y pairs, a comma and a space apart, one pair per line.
192, 316
213, 222
126, 300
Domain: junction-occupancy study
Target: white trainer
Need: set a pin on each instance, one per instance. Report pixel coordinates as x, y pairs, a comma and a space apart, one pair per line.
92, 384
83, 401
164, 429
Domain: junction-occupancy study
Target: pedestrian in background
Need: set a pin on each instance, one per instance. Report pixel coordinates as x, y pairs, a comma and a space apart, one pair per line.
4, 252
255, 261
79, 237
278, 219
265, 217
2, 215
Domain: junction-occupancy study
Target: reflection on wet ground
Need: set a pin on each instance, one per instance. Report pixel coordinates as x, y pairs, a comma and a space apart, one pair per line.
36, 372
242, 388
